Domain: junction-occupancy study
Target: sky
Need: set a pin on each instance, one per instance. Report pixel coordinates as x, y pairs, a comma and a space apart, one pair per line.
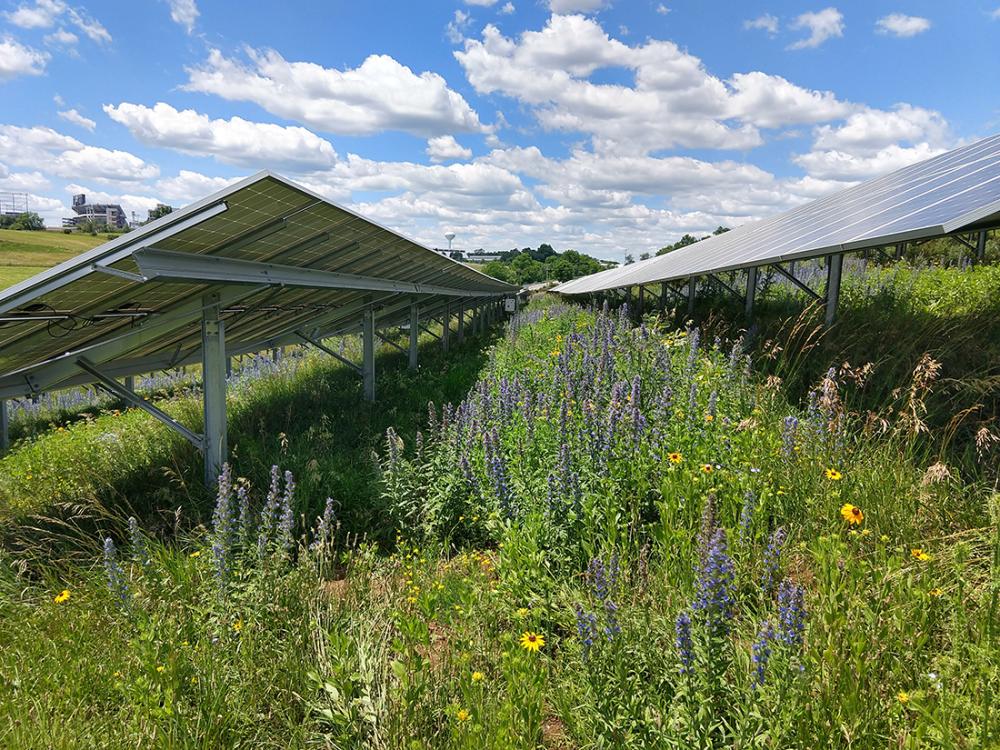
605, 126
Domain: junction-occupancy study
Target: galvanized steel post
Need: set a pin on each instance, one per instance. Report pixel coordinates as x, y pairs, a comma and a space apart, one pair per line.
4, 426
414, 333
692, 288
461, 321
834, 267
446, 326
981, 246
213, 346
368, 353
751, 290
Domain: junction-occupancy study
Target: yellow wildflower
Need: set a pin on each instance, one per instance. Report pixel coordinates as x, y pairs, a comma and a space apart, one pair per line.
918, 554
462, 715
707, 468
478, 676
935, 592
522, 612
62, 596
675, 457
903, 697
196, 553
532, 641
852, 514
238, 626
833, 475
160, 668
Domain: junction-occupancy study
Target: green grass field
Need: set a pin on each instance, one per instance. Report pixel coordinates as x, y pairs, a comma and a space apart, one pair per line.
23, 254
622, 535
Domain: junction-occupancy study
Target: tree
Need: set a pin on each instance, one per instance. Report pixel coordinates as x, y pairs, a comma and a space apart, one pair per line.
570, 265
527, 269
160, 210
684, 241
455, 254
643, 256
629, 260
720, 229
501, 271
29, 221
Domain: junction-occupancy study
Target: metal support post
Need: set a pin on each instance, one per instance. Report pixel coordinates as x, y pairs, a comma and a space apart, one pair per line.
981, 246
663, 295
834, 266
751, 290
130, 382
368, 358
446, 326
692, 288
229, 367
4, 426
642, 300
461, 322
414, 333
213, 347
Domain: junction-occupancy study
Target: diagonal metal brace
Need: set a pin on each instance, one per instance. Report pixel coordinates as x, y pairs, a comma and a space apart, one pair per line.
777, 267
129, 396
725, 286
327, 350
390, 342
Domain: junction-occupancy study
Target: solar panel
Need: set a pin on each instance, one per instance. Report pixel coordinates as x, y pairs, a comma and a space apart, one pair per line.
947, 193
101, 296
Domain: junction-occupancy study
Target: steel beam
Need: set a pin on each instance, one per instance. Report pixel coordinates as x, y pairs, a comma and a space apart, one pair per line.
213, 347
129, 396
167, 265
368, 346
981, 246
386, 340
461, 321
751, 290
692, 289
642, 300
446, 326
725, 286
834, 268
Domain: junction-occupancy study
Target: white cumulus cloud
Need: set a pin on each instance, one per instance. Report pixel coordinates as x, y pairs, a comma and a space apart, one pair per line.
764, 22
821, 25
185, 13
19, 60
446, 148
71, 115
378, 95
234, 141
899, 24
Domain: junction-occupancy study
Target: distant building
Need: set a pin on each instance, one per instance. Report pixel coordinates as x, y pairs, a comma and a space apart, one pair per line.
108, 215
482, 256
13, 204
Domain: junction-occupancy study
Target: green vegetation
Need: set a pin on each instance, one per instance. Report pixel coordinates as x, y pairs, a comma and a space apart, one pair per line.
621, 537
529, 266
23, 254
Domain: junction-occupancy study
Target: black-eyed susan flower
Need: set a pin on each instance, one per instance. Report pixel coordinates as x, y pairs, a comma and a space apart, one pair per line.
833, 475
852, 514
62, 596
532, 641
238, 626
675, 457
707, 468
918, 554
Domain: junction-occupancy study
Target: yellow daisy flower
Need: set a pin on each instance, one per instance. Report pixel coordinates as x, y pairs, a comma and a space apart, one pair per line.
833, 475
62, 596
707, 468
903, 697
462, 715
532, 641
478, 676
852, 514
675, 457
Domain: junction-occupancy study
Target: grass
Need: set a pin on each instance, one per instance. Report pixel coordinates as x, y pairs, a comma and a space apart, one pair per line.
663, 516
23, 254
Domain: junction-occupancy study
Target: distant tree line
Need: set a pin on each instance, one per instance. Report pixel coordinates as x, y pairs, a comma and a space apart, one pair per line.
528, 265
28, 221
688, 239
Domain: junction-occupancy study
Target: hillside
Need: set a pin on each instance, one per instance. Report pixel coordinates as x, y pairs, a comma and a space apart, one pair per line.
23, 254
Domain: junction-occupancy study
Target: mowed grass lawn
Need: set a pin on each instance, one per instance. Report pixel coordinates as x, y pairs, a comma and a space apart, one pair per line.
23, 254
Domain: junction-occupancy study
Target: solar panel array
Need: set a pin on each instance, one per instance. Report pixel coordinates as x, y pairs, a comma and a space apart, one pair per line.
100, 305
957, 190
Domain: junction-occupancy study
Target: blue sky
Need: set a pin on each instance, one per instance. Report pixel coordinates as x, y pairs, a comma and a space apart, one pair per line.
609, 127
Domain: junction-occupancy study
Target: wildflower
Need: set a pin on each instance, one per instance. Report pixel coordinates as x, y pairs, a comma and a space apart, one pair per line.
685, 647
852, 514
833, 475
411, 600
196, 553
675, 457
709, 417
715, 599
522, 612
462, 715
772, 560
160, 668
903, 697
478, 676
137, 542
238, 626
586, 628
918, 554
532, 641
761, 650
791, 613
933, 592
707, 468
884, 538
62, 596
116, 577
